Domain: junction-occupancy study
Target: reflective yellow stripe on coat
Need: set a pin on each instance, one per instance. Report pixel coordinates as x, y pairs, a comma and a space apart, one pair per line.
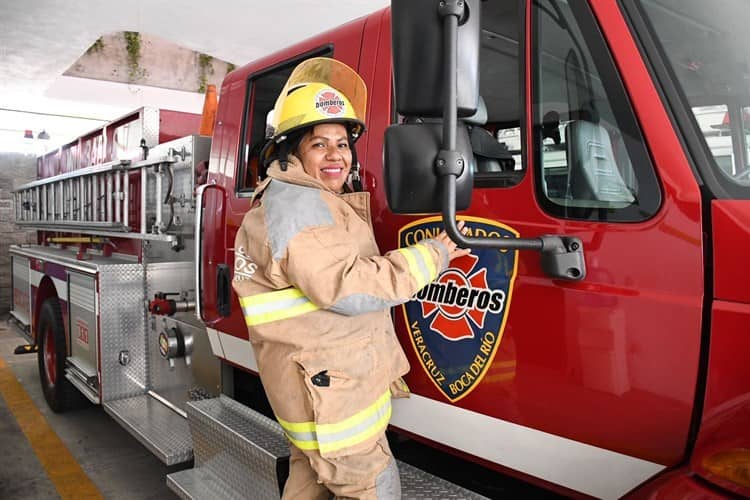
420, 263
273, 306
349, 432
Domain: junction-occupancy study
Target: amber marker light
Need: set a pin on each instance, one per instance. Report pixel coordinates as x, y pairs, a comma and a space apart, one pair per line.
733, 465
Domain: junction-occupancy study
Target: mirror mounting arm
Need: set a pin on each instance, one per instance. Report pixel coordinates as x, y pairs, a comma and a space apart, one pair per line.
450, 11
562, 256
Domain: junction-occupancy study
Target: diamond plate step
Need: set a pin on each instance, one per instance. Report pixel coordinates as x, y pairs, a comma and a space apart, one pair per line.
417, 484
241, 454
157, 427
200, 484
233, 445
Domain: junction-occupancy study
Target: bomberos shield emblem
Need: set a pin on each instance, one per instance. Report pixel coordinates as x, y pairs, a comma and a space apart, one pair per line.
456, 322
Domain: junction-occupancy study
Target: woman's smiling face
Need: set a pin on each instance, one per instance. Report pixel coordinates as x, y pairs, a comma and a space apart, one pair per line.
325, 154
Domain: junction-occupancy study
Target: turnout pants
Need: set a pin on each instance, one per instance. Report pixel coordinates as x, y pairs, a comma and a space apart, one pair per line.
370, 475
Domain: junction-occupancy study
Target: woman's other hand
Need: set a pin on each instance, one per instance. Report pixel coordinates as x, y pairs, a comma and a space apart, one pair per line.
453, 250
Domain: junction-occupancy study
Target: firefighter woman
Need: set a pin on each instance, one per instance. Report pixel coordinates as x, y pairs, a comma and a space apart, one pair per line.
316, 293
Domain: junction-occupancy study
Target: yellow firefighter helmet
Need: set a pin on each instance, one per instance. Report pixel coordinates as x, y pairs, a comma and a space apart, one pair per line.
319, 90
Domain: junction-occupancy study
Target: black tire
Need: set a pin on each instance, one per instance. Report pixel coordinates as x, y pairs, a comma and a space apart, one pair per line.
50, 338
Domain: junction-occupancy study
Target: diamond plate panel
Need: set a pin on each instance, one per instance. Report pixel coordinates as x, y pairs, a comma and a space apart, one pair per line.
123, 325
157, 427
167, 277
238, 445
203, 374
201, 484
417, 484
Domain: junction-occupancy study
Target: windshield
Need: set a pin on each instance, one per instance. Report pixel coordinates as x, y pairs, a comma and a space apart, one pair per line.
707, 45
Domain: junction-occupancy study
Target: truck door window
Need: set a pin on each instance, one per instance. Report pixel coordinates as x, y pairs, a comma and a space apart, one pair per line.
705, 45
589, 153
496, 141
262, 90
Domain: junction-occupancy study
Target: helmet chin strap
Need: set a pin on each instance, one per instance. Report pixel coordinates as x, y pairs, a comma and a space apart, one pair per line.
354, 172
283, 152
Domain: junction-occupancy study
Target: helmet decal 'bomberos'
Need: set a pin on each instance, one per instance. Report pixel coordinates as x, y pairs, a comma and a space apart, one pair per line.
456, 322
329, 103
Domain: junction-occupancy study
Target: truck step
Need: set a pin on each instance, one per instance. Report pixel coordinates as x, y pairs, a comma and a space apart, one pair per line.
201, 483
233, 445
241, 454
159, 428
417, 484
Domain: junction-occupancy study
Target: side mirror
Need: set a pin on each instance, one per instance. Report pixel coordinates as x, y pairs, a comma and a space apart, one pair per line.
427, 173
411, 183
417, 33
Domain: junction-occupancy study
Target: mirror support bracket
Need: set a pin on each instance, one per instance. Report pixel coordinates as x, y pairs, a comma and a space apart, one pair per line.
451, 8
449, 163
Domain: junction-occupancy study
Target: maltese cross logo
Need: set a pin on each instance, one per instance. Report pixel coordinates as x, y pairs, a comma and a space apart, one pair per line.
459, 300
329, 103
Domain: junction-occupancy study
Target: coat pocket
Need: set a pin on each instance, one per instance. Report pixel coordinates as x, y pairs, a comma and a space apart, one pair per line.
349, 395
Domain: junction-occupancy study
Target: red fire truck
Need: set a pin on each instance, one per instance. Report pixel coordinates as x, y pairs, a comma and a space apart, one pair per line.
595, 340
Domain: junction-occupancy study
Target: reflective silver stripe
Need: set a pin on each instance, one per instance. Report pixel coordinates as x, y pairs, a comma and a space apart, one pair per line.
301, 436
442, 250
369, 426
360, 303
273, 306
360, 427
289, 210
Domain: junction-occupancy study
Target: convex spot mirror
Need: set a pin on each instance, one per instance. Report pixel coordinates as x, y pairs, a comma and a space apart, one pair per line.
418, 66
411, 181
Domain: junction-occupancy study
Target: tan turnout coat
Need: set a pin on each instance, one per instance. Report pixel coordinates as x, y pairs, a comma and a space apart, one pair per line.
316, 295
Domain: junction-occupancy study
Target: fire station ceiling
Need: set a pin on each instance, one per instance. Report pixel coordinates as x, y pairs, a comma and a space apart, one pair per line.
41, 39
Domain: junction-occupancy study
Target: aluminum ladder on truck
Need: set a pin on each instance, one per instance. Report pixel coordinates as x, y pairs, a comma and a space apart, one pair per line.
99, 199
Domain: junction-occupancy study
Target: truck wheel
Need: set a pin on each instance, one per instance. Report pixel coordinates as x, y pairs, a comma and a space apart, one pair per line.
50, 337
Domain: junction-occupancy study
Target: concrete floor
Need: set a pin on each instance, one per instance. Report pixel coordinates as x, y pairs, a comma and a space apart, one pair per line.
119, 466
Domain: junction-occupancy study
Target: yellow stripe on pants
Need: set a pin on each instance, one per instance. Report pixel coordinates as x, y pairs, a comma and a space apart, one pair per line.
62, 469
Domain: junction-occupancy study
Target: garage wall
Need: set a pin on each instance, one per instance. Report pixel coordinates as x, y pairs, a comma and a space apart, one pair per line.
15, 169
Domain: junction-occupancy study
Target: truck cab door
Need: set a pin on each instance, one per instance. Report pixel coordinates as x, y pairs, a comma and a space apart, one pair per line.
604, 368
